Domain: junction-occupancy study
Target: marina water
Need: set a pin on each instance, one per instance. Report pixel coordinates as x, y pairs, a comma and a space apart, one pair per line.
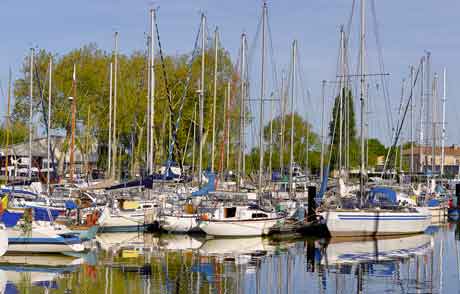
145, 263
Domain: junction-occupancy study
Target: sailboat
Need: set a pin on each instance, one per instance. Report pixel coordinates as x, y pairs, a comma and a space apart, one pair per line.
245, 220
377, 212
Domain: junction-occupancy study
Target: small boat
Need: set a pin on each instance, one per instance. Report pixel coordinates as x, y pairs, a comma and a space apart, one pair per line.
131, 216
239, 221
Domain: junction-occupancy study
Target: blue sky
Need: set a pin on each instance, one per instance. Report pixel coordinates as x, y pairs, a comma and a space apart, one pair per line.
406, 28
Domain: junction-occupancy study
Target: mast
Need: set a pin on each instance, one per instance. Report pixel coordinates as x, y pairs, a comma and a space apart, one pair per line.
152, 89
341, 87
242, 110
428, 96
109, 160
433, 122
411, 121
227, 118
270, 146
443, 134
323, 98
421, 149
8, 127
72, 134
114, 152
363, 105
283, 121
291, 159
262, 93
31, 93
49, 126
147, 157
216, 51
194, 141
201, 92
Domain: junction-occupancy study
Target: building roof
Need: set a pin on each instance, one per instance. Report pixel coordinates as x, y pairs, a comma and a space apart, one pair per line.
452, 150
40, 149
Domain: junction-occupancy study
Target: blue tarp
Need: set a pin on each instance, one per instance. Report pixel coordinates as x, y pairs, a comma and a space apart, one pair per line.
380, 194
43, 214
433, 203
70, 204
209, 187
10, 219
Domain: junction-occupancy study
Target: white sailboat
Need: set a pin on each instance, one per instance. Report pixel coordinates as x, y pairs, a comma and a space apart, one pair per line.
373, 219
239, 221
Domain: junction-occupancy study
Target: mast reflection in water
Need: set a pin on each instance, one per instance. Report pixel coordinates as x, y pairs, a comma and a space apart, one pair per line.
132, 263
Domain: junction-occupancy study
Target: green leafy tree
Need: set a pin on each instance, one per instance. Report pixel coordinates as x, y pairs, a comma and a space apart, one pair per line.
348, 128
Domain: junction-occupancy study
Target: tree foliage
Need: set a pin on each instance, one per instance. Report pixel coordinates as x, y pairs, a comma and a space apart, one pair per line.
92, 71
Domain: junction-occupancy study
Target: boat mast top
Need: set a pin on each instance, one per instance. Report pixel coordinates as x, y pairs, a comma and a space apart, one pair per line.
31, 93
362, 177
201, 93
262, 93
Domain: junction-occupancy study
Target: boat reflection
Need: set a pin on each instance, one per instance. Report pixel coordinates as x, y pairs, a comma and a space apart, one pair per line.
34, 271
360, 250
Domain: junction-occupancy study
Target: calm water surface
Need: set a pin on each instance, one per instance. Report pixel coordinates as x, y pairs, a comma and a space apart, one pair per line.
132, 263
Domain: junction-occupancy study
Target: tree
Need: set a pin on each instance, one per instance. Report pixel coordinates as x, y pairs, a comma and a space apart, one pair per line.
92, 70
348, 129
302, 132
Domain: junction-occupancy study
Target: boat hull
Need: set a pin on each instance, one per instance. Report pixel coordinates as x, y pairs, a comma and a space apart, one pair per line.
180, 223
126, 223
375, 223
3, 241
44, 239
238, 228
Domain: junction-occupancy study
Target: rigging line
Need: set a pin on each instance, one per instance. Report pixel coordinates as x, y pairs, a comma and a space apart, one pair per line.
382, 67
350, 20
331, 146
409, 100
272, 56
163, 66
184, 95
252, 49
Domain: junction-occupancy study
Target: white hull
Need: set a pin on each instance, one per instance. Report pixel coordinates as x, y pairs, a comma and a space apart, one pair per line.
375, 222
42, 239
238, 228
365, 250
3, 240
185, 223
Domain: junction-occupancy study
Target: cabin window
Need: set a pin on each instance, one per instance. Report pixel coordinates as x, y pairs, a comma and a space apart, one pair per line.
258, 215
147, 206
229, 212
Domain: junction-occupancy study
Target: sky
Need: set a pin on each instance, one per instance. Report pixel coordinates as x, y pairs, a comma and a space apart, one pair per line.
406, 30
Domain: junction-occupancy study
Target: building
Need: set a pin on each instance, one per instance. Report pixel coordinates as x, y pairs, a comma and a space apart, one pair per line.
18, 158
423, 159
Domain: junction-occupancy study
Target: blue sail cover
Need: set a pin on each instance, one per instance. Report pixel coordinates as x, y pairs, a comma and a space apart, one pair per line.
382, 194
45, 214
209, 187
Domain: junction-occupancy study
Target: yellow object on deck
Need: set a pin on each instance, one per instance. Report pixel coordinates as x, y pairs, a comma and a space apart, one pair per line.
130, 205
